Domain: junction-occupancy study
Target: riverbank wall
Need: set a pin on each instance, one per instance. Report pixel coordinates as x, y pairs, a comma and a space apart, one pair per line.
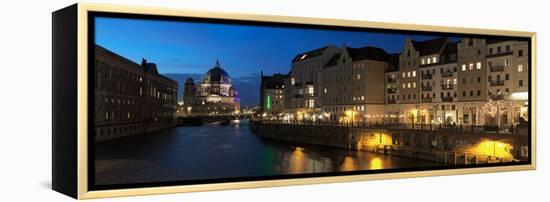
450, 147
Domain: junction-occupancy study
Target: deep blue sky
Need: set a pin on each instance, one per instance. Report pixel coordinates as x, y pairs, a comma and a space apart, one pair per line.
191, 48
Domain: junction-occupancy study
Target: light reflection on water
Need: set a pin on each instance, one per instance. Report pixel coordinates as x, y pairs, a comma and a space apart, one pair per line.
190, 153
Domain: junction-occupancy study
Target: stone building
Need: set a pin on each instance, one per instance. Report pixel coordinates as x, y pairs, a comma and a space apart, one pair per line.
353, 84
215, 95
130, 98
272, 94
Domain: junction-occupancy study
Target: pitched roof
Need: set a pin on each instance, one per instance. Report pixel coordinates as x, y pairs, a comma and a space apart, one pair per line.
368, 53
333, 60
393, 63
310, 54
429, 47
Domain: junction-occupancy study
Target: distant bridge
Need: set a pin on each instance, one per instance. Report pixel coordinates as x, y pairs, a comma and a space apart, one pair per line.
200, 119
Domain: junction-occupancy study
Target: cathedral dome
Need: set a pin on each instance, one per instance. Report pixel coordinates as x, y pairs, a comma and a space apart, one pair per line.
216, 75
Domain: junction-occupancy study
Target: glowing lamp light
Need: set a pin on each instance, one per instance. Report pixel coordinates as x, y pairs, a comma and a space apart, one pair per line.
519, 96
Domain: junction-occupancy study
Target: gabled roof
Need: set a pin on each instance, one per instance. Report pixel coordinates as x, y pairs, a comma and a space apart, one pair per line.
429, 47
368, 53
309, 54
333, 60
449, 50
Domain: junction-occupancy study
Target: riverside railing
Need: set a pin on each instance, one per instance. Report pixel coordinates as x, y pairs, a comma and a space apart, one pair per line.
457, 128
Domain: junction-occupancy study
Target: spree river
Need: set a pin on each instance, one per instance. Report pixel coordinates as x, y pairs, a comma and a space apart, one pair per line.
215, 151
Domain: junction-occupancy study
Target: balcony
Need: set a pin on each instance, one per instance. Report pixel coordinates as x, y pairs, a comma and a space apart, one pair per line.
426, 76
392, 90
447, 87
426, 100
392, 101
497, 82
498, 68
447, 99
426, 88
391, 80
446, 74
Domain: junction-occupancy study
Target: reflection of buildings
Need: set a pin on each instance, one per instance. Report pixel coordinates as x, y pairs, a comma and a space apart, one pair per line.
130, 98
436, 81
215, 95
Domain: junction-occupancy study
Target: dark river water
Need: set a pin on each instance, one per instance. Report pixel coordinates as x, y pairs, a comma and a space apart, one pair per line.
214, 151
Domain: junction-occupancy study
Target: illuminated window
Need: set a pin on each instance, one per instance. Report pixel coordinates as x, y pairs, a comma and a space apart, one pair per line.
471, 66
107, 115
409, 74
478, 65
303, 56
310, 90
414, 73
414, 84
463, 67
520, 68
292, 81
325, 90
455, 81
408, 85
362, 108
429, 61
422, 61
362, 97
434, 59
403, 74
358, 76
311, 103
403, 85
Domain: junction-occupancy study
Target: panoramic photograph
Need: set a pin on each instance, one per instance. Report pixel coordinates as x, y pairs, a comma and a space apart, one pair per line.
193, 101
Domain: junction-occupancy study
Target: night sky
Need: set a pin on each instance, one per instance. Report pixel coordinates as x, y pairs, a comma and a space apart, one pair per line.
189, 49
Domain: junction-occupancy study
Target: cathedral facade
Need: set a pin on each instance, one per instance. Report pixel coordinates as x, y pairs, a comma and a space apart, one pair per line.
215, 95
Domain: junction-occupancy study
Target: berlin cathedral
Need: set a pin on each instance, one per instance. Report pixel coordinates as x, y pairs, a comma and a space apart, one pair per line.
215, 95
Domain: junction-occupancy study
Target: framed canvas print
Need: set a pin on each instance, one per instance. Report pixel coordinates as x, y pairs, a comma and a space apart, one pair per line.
151, 100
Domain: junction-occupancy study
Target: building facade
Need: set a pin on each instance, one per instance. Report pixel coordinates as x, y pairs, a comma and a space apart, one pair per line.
272, 89
442, 81
130, 98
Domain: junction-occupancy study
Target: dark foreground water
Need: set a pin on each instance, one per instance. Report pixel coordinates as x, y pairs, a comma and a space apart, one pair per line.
214, 151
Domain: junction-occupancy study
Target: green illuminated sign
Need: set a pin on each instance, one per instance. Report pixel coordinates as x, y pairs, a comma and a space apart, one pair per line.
268, 102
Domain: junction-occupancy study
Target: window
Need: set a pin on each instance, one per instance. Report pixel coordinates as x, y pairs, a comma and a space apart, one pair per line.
490, 51
455, 81
310, 90
507, 77
471, 93
520, 53
463, 80
520, 68
403, 85
325, 90
506, 62
499, 49
470, 42
478, 79
471, 66
463, 67
507, 48
414, 73
478, 65
358, 76
403, 74
478, 93
478, 51
422, 61
311, 103
414, 84
434, 59
362, 97
463, 93
409, 53
408, 85
292, 81
409, 74
429, 60
520, 83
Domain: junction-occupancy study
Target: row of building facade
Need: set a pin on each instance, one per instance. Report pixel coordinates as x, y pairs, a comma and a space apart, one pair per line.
130, 98
470, 81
